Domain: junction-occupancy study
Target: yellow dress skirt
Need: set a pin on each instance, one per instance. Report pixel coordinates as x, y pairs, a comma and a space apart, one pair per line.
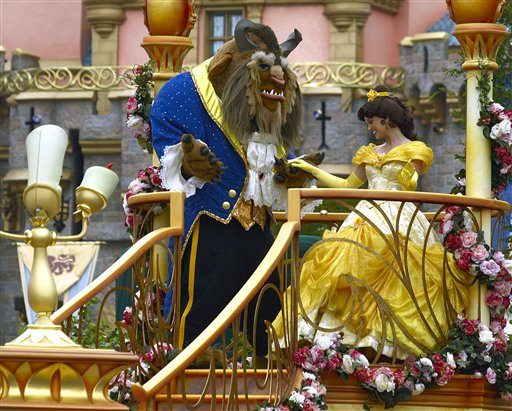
384, 280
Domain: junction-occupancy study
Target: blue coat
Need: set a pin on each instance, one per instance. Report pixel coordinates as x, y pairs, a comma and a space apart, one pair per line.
187, 103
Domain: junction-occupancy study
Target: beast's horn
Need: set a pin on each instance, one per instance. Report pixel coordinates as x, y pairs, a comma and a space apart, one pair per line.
242, 39
291, 42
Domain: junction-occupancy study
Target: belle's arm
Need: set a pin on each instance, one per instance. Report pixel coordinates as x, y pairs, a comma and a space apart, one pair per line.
354, 180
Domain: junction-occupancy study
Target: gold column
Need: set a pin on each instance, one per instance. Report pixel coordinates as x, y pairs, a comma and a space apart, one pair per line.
480, 38
104, 16
169, 23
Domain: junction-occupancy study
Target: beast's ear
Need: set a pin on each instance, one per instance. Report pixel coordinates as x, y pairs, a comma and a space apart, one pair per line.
219, 64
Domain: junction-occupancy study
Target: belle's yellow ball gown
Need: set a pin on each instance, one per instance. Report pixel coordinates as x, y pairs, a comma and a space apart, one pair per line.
382, 278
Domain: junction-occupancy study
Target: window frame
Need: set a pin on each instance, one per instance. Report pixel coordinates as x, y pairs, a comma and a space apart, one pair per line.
208, 37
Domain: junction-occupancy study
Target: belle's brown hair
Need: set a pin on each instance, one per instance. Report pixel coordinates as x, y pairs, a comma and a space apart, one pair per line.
391, 108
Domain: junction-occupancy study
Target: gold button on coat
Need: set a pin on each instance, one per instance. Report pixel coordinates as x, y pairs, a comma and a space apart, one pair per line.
226, 205
232, 193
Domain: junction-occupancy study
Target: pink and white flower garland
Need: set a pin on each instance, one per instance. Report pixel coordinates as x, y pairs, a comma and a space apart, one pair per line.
497, 127
148, 181
138, 106
473, 349
473, 256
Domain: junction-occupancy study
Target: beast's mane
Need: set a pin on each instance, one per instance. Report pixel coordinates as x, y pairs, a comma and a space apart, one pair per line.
244, 113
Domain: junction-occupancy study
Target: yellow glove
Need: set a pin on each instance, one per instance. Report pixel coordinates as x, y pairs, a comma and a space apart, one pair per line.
408, 177
352, 181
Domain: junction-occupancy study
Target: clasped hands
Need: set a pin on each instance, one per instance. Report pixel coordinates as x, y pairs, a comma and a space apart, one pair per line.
199, 161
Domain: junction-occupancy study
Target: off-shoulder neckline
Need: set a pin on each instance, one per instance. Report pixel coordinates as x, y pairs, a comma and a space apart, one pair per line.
374, 147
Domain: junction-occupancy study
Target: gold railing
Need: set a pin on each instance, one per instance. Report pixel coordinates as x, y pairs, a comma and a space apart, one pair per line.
327, 74
402, 247
229, 379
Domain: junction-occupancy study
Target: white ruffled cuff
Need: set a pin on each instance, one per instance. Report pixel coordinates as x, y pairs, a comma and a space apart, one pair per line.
171, 176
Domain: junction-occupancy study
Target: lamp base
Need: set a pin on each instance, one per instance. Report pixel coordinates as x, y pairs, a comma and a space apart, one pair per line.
43, 336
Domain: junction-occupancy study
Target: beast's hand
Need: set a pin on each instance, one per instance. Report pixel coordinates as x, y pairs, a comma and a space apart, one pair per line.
199, 161
286, 173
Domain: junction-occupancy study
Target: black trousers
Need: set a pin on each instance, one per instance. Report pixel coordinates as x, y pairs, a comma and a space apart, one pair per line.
227, 255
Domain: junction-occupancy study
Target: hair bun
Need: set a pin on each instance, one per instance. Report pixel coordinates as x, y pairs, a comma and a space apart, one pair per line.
380, 88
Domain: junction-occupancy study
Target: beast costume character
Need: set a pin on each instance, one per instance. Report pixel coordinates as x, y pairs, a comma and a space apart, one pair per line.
217, 131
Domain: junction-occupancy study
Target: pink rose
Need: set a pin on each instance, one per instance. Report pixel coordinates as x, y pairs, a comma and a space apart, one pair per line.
131, 105
470, 327
491, 376
127, 316
490, 268
498, 257
480, 253
453, 242
493, 299
128, 222
468, 239
500, 346
508, 374
453, 209
156, 179
503, 288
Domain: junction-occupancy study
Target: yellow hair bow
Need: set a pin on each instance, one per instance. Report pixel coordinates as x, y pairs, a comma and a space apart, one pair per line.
373, 94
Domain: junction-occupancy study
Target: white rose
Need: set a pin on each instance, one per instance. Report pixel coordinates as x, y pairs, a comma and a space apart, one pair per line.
363, 361
134, 122
145, 366
501, 129
425, 361
323, 342
313, 392
508, 265
382, 383
450, 360
309, 376
486, 337
136, 186
496, 107
418, 389
348, 364
468, 221
297, 397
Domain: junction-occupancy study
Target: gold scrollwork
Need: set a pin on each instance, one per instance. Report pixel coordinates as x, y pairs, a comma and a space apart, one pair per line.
329, 74
65, 78
351, 75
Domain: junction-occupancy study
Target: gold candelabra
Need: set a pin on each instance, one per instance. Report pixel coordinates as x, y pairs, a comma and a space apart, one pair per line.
46, 146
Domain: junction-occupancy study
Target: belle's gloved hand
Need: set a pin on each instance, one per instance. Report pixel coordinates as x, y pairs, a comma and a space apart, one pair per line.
352, 181
408, 177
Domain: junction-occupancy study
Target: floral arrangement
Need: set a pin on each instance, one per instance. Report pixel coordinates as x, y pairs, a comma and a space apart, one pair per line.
497, 127
148, 181
472, 255
149, 363
138, 106
473, 348
497, 123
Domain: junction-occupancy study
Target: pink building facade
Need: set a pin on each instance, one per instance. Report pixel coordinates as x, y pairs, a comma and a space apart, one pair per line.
59, 32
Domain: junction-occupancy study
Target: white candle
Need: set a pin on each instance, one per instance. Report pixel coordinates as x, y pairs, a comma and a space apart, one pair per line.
46, 147
100, 179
